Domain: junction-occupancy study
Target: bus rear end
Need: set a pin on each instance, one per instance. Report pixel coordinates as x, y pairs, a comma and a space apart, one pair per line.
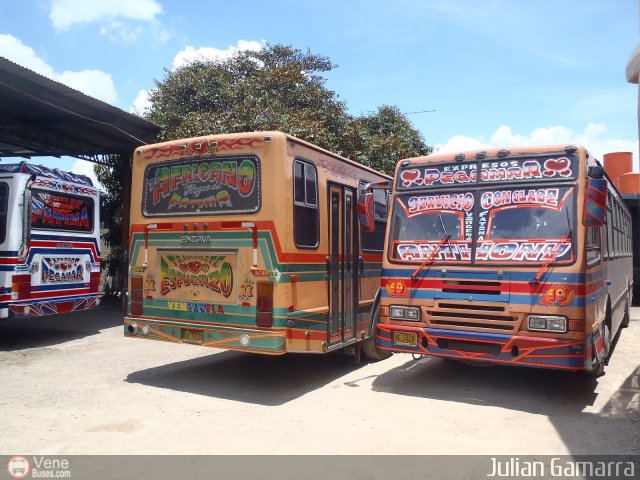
197, 272
50, 260
488, 260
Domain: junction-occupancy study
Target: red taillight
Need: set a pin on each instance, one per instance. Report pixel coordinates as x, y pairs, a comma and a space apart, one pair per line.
20, 287
264, 305
94, 281
136, 295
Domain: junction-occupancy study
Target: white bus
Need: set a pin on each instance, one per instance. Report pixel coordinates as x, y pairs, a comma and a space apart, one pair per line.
49, 241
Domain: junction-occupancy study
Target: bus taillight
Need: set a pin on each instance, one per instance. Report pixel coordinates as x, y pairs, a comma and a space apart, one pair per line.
20, 287
264, 306
136, 295
94, 281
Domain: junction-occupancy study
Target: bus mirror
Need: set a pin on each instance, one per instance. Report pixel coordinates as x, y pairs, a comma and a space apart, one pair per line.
595, 202
365, 211
596, 171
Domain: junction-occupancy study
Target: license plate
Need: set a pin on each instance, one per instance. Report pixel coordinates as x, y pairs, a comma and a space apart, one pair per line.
193, 336
405, 338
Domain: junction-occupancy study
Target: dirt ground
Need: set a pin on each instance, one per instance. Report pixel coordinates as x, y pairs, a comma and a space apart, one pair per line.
74, 385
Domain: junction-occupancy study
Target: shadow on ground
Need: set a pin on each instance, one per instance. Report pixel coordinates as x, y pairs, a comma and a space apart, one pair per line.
21, 333
243, 377
560, 396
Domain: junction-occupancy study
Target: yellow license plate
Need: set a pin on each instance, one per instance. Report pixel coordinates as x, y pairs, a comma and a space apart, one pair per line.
193, 336
405, 338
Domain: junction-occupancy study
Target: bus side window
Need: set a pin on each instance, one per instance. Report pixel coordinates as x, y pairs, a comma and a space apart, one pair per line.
305, 205
593, 245
374, 241
609, 223
4, 199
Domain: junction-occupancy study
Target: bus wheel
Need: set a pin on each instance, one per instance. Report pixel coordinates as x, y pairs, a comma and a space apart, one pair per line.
627, 312
369, 347
598, 369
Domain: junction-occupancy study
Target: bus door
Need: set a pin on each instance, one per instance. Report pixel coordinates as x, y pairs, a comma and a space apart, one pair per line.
342, 265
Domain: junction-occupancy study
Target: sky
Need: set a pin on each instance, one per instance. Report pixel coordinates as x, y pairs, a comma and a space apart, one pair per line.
483, 73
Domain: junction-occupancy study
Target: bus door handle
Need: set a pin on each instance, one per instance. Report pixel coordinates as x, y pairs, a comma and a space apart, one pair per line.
360, 265
328, 276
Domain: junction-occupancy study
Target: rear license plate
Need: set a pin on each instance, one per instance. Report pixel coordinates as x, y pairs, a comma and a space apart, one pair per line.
193, 336
405, 338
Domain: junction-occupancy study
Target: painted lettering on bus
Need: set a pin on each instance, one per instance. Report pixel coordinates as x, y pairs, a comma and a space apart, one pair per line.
408, 251
462, 201
521, 251
229, 173
210, 272
60, 210
541, 196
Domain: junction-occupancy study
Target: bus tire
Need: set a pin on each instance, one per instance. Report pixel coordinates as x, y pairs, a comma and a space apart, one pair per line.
598, 369
627, 311
369, 347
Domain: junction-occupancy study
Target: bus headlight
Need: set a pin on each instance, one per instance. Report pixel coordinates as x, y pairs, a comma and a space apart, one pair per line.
398, 312
548, 323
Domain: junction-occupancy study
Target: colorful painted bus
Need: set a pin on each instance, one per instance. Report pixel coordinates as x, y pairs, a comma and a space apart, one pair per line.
250, 242
517, 257
49, 241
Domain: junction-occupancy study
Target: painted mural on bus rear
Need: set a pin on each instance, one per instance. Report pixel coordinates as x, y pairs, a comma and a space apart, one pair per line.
517, 257
49, 241
250, 242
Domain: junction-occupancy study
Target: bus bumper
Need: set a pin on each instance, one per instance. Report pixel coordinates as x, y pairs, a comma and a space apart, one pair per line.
35, 308
270, 342
486, 347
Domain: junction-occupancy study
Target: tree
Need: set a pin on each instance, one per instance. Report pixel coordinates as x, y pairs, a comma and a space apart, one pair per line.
382, 138
112, 215
278, 88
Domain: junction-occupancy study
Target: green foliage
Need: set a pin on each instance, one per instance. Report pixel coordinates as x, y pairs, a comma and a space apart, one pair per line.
278, 88
382, 138
111, 178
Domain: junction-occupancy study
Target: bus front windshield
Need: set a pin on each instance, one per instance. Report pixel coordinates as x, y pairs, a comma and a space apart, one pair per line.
501, 226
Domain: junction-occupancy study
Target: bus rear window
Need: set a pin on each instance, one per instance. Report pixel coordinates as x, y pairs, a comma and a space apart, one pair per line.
61, 211
219, 185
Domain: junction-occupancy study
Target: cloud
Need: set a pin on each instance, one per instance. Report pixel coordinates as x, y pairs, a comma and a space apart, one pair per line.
94, 83
82, 167
593, 138
65, 13
141, 104
118, 31
190, 53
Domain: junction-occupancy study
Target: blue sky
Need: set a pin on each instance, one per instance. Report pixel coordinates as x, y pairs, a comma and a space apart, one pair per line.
497, 72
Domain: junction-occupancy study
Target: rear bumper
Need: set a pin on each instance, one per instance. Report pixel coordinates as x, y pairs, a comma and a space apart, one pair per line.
39, 308
270, 342
488, 347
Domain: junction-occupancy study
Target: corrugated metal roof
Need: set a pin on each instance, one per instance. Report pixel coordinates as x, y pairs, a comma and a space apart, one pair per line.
42, 117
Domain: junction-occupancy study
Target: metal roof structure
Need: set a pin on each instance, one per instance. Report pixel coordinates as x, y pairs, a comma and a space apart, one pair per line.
42, 117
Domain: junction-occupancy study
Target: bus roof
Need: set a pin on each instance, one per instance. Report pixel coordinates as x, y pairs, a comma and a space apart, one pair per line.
492, 153
174, 146
42, 171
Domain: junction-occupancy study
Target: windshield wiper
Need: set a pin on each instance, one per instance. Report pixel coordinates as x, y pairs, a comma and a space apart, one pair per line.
556, 250
429, 259
566, 237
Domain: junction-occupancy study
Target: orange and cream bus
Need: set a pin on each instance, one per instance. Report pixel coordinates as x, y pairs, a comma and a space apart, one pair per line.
251, 242
517, 257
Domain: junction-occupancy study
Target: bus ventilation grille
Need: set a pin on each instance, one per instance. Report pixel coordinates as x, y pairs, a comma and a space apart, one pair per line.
469, 315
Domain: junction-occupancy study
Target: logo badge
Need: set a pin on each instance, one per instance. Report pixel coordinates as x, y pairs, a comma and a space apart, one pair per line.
18, 467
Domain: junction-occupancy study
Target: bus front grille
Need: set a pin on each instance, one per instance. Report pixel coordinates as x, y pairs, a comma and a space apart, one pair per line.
470, 316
